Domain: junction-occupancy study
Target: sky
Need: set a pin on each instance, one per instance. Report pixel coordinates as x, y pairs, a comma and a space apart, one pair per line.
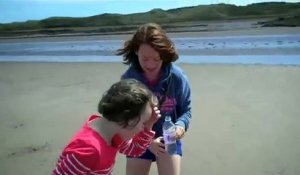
23, 10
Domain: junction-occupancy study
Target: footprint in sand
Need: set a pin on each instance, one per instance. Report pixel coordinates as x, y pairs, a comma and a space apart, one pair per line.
30, 149
18, 125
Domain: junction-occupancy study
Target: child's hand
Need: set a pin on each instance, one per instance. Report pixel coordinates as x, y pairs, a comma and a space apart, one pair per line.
157, 147
154, 117
179, 132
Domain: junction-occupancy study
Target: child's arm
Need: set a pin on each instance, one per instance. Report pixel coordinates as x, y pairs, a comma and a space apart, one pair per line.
78, 161
138, 145
72, 163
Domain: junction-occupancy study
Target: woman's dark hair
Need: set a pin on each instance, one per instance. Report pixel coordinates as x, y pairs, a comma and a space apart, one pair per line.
153, 35
125, 101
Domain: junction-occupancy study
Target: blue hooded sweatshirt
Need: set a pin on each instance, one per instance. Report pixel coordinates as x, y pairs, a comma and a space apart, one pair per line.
173, 92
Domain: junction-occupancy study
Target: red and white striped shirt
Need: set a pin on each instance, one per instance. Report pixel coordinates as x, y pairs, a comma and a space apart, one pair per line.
88, 153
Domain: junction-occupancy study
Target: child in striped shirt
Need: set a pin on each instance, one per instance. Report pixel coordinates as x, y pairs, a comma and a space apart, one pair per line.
127, 114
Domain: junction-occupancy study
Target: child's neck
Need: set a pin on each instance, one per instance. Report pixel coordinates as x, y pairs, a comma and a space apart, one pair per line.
105, 128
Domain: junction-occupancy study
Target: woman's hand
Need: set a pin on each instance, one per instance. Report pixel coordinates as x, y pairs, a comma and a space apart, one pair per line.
154, 117
179, 132
157, 147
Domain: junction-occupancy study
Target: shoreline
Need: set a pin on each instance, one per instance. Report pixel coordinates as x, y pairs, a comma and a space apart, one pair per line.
255, 43
232, 32
268, 60
260, 45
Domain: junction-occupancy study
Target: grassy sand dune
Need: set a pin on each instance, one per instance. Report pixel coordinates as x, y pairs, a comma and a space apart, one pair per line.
196, 18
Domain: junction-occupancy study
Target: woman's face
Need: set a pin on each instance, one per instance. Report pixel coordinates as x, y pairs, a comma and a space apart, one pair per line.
149, 60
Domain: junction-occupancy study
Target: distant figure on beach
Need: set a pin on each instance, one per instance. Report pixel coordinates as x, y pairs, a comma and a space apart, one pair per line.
127, 113
149, 54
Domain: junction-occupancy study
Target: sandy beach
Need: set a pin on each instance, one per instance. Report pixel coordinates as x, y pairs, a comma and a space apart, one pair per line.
245, 117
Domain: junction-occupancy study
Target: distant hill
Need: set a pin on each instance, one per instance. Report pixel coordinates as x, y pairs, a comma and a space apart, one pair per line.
279, 13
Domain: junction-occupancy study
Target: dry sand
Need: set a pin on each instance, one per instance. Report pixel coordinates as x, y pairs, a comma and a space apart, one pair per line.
245, 117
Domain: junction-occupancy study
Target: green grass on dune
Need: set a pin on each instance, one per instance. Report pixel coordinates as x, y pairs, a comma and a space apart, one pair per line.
282, 14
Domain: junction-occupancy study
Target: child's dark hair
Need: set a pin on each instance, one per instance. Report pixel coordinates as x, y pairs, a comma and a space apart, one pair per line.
125, 101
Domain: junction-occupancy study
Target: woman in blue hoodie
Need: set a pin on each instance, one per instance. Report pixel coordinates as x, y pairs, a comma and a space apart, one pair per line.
150, 54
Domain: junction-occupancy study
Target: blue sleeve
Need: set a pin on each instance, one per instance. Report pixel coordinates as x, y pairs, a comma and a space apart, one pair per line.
184, 103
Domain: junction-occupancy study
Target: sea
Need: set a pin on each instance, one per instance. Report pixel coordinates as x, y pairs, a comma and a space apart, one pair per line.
255, 49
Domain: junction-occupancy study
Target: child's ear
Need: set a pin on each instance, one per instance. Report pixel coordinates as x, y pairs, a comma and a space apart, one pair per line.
154, 102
